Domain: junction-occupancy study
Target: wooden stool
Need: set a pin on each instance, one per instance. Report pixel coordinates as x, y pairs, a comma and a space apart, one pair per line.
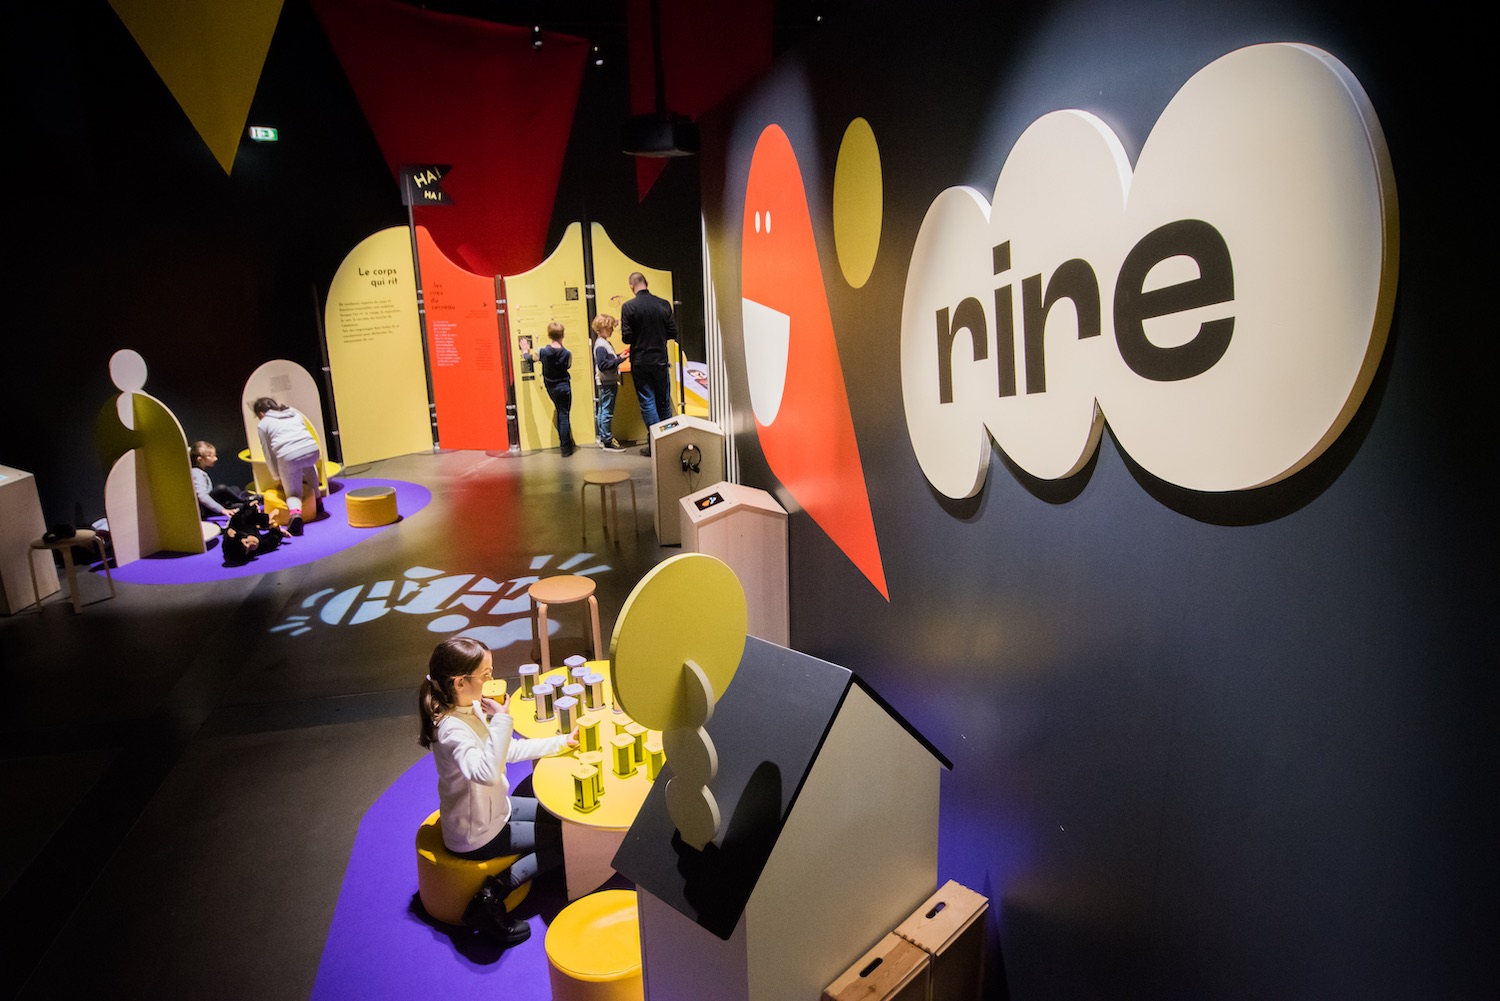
82, 537
609, 503
446, 883
371, 507
561, 590
594, 949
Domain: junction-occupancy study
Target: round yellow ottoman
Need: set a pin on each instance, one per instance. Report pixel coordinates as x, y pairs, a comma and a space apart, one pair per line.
446, 883
273, 502
594, 949
371, 507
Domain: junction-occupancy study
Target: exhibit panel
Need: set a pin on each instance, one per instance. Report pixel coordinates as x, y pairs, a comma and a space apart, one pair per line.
550, 292
463, 351
375, 360
291, 385
148, 492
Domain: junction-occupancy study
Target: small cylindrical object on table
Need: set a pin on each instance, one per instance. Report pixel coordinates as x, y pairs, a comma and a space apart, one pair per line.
585, 787
588, 732
574, 691
545, 696
655, 757
595, 760
593, 690
529, 674
567, 714
637, 734
624, 755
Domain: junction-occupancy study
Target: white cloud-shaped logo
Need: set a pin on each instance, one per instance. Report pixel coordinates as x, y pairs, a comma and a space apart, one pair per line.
1224, 305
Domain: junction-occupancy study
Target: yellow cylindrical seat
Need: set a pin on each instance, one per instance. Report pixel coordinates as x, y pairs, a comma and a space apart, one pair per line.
371, 507
594, 949
446, 883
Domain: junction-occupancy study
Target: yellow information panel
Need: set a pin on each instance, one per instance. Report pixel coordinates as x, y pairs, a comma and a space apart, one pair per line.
553, 290
612, 273
611, 289
375, 351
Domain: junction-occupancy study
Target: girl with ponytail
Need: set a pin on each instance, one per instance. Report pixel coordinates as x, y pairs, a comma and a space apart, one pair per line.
472, 739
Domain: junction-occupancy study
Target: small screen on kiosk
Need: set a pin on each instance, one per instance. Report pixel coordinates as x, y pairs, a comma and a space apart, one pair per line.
704, 503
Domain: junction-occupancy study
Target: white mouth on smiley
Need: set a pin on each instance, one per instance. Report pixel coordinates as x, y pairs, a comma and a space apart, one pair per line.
767, 345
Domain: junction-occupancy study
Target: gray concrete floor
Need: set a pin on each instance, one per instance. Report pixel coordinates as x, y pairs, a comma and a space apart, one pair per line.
185, 766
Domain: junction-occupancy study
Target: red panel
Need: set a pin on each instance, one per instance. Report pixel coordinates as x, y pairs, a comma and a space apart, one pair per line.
442, 89
463, 351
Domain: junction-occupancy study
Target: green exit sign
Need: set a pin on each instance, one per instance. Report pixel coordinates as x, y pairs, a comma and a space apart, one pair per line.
263, 134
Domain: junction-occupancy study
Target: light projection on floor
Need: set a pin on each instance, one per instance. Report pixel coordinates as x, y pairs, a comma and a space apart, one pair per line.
496, 613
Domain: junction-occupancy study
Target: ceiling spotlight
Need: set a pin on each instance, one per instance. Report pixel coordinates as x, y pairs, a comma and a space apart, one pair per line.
536, 36
598, 57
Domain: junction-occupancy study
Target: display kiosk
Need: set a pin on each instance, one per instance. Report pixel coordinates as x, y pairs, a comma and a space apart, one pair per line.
21, 523
746, 528
687, 453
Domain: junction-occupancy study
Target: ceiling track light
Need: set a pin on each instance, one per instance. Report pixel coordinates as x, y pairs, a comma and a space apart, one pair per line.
536, 36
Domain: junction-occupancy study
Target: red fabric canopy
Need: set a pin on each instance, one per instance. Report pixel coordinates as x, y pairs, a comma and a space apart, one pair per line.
440, 89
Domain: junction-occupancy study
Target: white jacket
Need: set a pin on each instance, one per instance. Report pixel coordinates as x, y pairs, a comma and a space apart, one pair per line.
472, 786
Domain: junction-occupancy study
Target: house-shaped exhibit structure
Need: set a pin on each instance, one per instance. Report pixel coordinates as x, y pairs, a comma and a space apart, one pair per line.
828, 839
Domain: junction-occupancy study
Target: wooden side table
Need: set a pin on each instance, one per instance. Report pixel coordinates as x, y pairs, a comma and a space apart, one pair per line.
560, 590
84, 537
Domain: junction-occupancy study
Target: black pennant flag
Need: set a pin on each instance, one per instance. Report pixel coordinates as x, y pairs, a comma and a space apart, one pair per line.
422, 184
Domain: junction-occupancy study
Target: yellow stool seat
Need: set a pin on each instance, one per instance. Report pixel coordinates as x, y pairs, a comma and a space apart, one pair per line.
446, 883
273, 502
594, 949
371, 507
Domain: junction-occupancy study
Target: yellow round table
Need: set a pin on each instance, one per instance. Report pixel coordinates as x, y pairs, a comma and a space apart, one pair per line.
590, 839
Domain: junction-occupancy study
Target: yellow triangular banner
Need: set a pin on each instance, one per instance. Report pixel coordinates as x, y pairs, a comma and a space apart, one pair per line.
209, 54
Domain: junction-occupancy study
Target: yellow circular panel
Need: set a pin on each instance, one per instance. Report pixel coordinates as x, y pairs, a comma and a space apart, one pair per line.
689, 607
858, 201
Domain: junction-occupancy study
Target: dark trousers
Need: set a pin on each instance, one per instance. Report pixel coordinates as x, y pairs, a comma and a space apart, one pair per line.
562, 399
653, 388
533, 834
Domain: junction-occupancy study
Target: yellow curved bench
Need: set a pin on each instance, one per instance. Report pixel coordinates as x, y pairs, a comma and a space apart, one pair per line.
594, 949
446, 883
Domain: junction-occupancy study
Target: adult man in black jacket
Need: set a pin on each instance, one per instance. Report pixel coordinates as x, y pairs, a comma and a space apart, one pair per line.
646, 324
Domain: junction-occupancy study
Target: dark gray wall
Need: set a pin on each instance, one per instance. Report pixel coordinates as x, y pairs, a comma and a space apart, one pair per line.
1206, 746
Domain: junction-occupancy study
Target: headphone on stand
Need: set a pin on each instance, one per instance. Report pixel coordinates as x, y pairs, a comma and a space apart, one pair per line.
691, 458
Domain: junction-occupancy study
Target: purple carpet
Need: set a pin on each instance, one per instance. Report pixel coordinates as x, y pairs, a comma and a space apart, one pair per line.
382, 946
324, 537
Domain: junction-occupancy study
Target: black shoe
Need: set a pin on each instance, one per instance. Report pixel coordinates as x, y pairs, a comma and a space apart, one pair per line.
505, 931
569, 449
611, 446
296, 526
646, 450
487, 915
